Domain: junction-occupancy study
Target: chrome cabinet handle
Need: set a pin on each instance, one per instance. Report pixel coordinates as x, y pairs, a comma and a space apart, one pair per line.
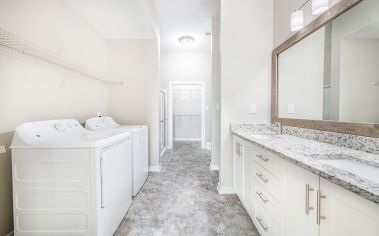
319, 217
262, 177
260, 195
262, 158
307, 207
260, 221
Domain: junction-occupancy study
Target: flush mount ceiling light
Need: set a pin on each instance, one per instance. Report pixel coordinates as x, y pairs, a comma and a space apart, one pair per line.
186, 40
297, 20
319, 6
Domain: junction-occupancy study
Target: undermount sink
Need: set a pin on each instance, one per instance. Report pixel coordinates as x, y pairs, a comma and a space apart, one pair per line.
356, 168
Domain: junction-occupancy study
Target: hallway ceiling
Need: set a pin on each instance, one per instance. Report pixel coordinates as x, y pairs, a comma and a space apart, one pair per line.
186, 17
115, 19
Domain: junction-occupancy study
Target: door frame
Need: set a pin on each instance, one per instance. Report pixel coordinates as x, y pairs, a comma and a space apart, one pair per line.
162, 152
171, 84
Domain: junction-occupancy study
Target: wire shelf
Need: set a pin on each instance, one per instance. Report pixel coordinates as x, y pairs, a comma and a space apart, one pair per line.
22, 46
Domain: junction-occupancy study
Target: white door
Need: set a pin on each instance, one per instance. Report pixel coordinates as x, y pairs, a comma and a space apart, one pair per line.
238, 167
300, 201
346, 213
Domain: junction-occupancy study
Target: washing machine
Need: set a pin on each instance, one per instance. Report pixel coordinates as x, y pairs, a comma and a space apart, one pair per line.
140, 146
68, 180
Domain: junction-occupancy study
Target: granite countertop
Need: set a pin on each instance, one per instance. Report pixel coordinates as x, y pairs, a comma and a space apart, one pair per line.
310, 154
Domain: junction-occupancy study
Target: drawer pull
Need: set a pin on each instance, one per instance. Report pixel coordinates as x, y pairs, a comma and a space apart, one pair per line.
319, 217
307, 207
260, 195
262, 177
260, 221
262, 158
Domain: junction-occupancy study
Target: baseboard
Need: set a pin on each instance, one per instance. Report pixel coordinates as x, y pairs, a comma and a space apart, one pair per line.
155, 168
214, 167
10, 234
226, 190
208, 146
187, 139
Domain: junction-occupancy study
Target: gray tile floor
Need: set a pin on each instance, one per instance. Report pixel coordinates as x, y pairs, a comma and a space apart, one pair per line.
182, 200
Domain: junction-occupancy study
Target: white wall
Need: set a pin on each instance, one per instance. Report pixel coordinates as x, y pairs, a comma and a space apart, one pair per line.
216, 94
31, 90
246, 45
189, 66
301, 81
136, 62
282, 17
359, 96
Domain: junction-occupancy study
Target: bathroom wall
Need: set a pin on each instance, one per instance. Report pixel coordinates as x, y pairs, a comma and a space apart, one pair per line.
136, 62
282, 17
246, 45
189, 66
32, 90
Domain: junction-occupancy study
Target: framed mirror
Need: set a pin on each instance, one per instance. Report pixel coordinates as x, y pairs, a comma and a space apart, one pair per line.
326, 76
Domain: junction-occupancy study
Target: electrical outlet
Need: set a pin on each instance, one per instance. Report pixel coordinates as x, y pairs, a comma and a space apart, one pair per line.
2, 149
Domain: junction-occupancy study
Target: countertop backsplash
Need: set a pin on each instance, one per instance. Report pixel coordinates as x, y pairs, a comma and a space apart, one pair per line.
361, 143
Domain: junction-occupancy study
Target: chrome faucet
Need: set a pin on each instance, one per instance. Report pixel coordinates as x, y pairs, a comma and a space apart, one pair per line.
279, 130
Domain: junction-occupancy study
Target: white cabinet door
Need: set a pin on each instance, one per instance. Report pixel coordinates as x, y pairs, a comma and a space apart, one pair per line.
238, 166
248, 166
346, 213
299, 190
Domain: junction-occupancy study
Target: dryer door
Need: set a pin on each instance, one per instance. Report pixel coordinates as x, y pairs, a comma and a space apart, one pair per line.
116, 185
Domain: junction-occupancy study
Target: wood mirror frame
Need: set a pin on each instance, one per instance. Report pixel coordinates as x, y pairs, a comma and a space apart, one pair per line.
362, 129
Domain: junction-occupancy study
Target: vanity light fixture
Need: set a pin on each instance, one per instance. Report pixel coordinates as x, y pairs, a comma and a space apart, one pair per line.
186, 40
319, 6
297, 20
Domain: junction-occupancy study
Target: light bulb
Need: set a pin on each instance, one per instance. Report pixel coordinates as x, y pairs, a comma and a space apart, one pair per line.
297, 20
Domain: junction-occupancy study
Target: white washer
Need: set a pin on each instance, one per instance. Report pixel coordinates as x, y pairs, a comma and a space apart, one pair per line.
68, 180
140, 146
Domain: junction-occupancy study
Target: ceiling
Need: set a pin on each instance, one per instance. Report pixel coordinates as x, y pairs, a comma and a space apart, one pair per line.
186, 17
115, 19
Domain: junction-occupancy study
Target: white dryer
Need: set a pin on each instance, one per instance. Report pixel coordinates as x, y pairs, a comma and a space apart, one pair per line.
140, 146
68, 180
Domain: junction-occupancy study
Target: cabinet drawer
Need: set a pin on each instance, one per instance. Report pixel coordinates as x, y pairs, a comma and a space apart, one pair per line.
263, 222
268, 181
267, 201
268, 160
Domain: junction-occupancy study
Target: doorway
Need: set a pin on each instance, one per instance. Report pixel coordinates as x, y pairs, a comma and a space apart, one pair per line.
186, 118
163, 122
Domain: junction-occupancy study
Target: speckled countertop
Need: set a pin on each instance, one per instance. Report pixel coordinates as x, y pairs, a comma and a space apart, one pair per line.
310, 154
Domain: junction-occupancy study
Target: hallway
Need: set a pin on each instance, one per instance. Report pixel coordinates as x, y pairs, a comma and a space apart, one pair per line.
183, 200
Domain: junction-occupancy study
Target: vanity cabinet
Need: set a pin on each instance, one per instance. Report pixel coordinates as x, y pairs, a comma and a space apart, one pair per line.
286, 200
299, 200
346, 213
315, 206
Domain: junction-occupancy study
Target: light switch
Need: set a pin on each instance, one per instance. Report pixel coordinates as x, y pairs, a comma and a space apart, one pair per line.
253, 108
2, 149
291, 108
206, 108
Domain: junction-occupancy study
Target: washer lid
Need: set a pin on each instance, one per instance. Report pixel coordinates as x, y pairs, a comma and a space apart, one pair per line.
101, 123
62, 134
